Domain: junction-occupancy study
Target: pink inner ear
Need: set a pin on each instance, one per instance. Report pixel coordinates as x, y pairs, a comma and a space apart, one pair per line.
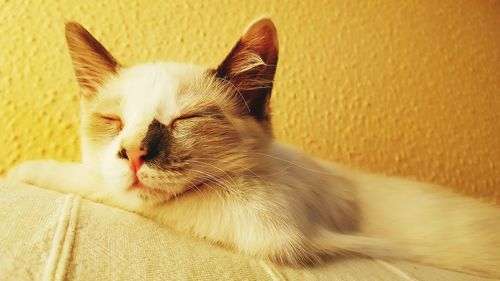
261, 38
253, 59
251, 66
257, 49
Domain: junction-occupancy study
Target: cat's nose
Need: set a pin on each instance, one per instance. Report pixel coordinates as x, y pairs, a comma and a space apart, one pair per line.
134, 156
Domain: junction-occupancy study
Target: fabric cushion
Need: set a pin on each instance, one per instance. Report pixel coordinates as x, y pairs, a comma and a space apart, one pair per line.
47, 235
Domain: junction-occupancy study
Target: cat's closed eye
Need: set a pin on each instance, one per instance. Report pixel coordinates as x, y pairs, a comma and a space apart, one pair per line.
116, 120
211, 112
185, 117
102, 128
105, 125
110, 117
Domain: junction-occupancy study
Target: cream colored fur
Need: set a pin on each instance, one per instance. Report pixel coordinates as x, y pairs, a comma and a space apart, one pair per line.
260, 197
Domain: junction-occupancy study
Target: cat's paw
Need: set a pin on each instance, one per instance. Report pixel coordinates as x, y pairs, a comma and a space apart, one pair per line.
28, 172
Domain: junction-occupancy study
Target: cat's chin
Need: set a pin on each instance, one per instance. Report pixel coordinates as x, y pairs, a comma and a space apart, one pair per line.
151, 195
161, 195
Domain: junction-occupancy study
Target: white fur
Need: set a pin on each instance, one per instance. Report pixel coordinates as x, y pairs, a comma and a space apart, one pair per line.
281, 205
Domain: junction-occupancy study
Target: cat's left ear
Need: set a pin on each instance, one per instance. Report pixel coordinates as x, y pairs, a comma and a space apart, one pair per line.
250, 67
92, 63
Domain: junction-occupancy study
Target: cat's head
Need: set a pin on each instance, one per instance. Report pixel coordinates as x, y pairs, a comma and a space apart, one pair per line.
165, 128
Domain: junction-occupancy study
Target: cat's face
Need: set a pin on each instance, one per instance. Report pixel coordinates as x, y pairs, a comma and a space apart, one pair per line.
162, 129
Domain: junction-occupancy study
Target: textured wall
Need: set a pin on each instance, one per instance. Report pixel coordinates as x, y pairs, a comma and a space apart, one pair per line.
405, 88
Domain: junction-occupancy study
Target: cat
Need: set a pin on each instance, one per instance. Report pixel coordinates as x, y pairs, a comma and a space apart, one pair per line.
193, 148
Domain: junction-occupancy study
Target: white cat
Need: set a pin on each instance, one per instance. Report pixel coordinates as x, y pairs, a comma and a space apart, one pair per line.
193, 148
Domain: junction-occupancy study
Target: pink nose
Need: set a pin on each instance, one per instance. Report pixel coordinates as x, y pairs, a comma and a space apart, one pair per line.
135, 157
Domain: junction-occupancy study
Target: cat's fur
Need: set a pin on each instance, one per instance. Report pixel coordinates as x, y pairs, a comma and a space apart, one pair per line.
210, 167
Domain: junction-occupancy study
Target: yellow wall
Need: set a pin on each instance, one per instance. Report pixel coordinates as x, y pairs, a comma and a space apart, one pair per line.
406, 88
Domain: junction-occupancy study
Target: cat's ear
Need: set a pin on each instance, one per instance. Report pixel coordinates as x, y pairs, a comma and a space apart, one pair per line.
92, 63
251, 65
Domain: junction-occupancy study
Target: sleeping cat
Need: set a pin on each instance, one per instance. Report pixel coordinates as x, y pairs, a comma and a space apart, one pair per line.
193, 148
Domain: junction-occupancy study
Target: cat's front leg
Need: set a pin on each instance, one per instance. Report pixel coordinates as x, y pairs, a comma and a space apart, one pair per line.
59, 176
74, 178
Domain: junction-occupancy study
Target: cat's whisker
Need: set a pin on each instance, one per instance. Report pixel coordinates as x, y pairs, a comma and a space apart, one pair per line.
293, 163
206, 178
221, 182
224, 161
244, 168
213, 179
195, 188
219, 169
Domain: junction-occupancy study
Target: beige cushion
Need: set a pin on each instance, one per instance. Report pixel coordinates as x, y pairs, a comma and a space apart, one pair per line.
47, 235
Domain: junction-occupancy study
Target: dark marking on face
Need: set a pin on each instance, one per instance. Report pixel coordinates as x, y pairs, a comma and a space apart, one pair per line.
157, 143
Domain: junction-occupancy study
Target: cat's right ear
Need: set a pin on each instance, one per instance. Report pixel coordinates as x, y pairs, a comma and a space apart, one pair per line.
92, 63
